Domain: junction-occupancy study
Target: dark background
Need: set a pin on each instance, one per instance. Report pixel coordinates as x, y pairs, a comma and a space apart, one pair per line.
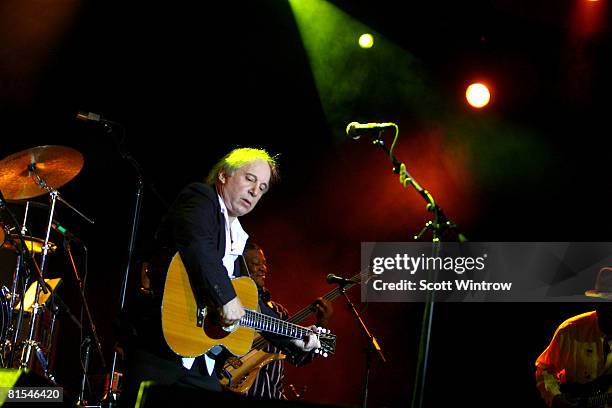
189, 82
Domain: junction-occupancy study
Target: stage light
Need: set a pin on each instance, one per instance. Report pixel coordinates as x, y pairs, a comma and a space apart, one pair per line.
366, 41
477, 95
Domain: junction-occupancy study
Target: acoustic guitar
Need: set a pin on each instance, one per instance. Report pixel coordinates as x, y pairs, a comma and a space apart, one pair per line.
190, 330
239, 374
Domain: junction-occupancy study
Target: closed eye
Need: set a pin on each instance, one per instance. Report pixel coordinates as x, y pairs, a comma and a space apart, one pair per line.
263, 187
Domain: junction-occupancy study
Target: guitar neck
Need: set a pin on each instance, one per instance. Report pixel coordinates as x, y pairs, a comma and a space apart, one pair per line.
591, 394
312, 308
303, 314
600, 400
260, 321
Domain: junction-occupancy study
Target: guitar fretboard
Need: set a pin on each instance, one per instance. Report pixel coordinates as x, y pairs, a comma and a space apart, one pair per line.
310, 309
600, 400
260, 321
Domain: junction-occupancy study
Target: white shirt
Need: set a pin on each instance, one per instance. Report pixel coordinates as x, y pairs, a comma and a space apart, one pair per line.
235, 241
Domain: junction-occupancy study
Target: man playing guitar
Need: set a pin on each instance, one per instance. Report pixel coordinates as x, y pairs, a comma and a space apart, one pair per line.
575, 368
203, 230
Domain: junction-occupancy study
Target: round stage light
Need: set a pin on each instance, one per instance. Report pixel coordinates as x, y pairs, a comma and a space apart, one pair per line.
478, 95
366, 41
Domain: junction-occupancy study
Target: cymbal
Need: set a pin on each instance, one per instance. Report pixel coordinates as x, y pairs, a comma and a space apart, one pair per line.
35, 245
56, 165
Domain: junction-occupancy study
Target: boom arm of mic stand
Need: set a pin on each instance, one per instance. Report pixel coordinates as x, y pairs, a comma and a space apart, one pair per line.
441, 222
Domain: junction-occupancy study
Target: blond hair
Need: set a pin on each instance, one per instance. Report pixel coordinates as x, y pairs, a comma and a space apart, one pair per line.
240, 157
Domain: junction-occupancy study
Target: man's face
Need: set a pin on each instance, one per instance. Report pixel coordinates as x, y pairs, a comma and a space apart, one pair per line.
242, 190
256, 262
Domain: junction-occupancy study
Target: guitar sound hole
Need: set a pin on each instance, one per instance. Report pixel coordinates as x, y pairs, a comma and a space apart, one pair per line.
213, 329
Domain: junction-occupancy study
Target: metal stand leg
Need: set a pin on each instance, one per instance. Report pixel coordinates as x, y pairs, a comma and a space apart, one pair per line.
40, 355
82, 402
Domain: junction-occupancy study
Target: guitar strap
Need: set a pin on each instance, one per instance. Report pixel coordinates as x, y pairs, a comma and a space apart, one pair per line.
242, 267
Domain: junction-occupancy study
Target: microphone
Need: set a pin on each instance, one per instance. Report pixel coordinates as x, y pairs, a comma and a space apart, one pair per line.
69, 235
355, 129
332, 279
93, 117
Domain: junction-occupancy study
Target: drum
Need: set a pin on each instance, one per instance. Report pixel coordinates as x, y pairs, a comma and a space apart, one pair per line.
35, 245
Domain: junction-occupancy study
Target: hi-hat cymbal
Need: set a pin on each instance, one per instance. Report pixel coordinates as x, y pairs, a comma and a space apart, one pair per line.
56, 165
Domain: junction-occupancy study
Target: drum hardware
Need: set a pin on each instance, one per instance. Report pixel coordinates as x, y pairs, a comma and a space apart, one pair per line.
24, 257
35, 245
43, 299
4, 321
31, 173
45, 333
15, 245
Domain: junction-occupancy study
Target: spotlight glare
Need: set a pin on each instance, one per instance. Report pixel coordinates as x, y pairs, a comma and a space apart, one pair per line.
478, 95
366, 41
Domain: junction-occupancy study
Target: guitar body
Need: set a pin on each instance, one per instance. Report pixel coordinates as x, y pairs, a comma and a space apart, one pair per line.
181, 315
244, 371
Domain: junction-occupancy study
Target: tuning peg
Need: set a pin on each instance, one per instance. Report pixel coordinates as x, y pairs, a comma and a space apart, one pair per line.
325, 354
317, 351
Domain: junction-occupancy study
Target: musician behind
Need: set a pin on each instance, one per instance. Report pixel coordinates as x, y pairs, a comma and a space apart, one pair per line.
576, 367
203, 226
269, 381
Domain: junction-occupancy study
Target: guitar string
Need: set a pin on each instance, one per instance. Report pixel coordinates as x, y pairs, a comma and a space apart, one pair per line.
279, 326
267, 323
307, 311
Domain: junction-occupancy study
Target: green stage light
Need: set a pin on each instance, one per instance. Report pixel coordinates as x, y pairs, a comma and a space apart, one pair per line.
388, 83
366, 41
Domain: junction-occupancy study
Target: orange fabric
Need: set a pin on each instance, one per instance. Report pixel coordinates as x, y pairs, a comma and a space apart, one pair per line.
575, 354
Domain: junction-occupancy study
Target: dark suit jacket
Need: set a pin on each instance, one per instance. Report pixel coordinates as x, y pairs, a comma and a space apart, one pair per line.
195, 227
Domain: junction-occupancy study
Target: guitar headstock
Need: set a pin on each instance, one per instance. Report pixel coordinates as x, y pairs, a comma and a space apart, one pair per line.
328, 342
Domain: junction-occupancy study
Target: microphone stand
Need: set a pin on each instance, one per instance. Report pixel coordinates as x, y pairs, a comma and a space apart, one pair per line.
437, 226
92, 326
372, 345
110, 398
